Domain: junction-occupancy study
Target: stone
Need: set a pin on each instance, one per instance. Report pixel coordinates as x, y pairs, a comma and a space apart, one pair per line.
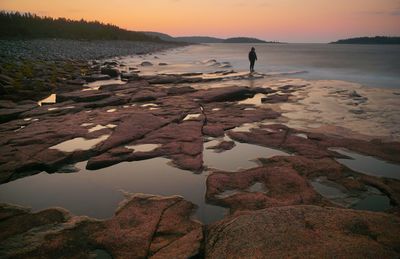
275, 98
83, 96
213, 131
132, 128
143, 226
354, 94
112, 72
180, 90
301, 231
109, 101
282, 186
77, 81
130, 76
110, 63
96, 77
282, 138
146, 64
224, 94
223, 146
7, 104
5, 80
8, 114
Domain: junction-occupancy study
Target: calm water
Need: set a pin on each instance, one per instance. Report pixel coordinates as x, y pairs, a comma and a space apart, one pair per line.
370, 65
97, 193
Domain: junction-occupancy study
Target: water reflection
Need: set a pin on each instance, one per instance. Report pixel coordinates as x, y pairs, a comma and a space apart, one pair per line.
79, 144
255, 100
369, 165
48, 100
371, 199
192, 116
98, 126
97, 193
144, 147
242, 156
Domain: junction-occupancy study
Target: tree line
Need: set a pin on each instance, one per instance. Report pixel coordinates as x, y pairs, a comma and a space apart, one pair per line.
15, 25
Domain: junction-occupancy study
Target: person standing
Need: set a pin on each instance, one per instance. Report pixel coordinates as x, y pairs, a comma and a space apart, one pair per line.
252, 58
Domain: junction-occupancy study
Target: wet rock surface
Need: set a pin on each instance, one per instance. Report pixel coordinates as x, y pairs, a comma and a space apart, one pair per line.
315, 145
177, 114
143, 226
222, 146
281, 186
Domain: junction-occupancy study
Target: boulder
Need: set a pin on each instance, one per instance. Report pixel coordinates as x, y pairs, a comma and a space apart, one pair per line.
77, 81
143, 226
224, 94
112, 72
275, 98
130, 76
280, 185
110, 63
213, 131
224, 145
83, 96
304, 231
146, 64
96, 77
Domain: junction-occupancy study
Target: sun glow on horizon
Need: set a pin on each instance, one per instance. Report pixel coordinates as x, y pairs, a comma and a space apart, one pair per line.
280, 20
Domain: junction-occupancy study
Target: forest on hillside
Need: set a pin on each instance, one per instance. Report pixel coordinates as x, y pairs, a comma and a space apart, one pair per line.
15, 25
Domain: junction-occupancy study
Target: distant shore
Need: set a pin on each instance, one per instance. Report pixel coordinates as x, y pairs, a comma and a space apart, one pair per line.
369, 40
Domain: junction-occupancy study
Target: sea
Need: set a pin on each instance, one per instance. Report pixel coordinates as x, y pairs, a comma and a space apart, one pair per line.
369, 65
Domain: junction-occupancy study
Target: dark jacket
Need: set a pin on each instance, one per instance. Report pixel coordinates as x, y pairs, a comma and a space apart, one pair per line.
252, 55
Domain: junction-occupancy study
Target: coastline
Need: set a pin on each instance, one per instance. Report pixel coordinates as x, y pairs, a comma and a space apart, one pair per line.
32, 69
191, 119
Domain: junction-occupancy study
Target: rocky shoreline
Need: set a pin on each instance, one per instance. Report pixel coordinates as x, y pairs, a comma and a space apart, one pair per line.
31, 69
275, 209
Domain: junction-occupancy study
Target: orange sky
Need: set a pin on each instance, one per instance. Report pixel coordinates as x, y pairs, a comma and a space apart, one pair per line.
281, 20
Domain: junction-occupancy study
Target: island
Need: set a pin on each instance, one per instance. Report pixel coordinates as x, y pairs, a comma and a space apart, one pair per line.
369, 40
206, 39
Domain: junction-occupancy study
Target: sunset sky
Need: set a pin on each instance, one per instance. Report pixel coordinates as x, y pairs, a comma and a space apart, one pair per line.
281, 20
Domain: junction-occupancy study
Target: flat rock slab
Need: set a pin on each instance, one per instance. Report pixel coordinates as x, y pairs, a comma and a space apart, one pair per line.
83, 96
12, 112
223, 146
222, 94
96, 77
144, 226
279, 186
304, 231
131, 128
315, 145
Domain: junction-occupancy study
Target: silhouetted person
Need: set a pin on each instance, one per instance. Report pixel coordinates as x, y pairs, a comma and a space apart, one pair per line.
252, 58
